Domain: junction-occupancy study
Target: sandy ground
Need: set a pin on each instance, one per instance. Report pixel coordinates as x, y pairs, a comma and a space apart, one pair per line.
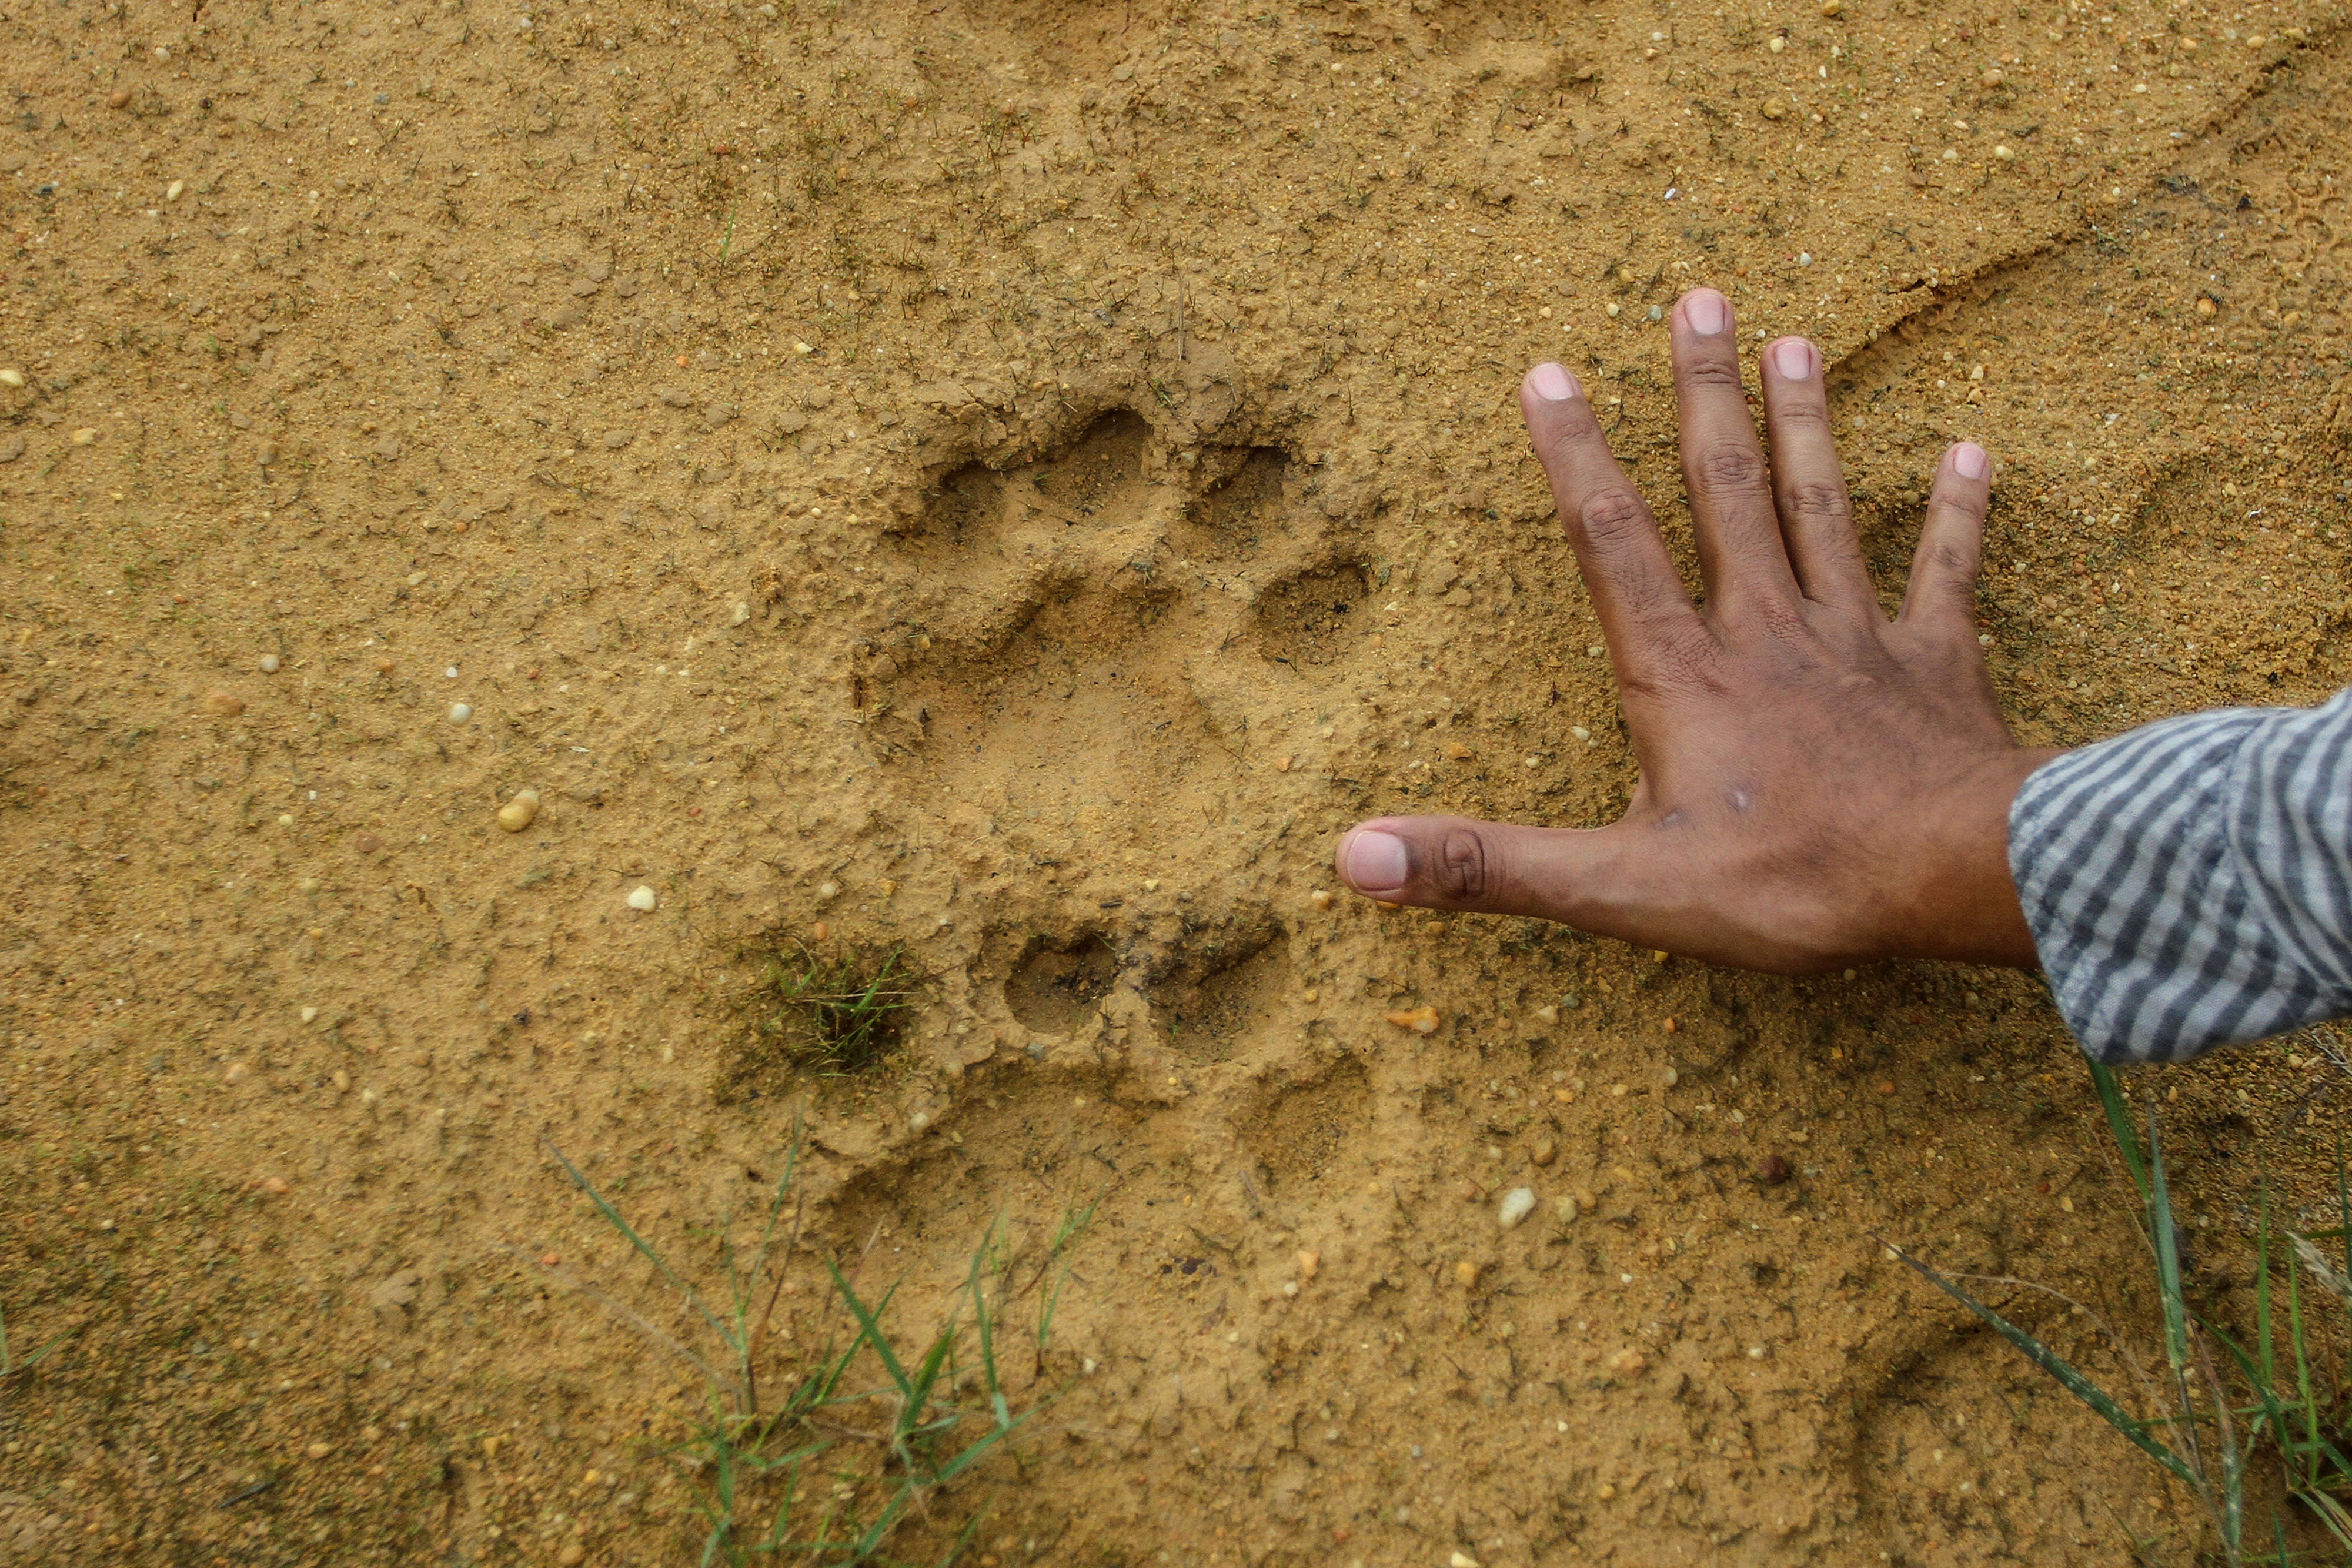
1009, 482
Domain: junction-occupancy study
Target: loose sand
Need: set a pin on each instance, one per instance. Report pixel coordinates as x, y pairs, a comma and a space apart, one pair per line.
1011, 481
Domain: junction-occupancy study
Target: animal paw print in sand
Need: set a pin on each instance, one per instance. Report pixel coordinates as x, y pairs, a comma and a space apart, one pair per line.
1099, 633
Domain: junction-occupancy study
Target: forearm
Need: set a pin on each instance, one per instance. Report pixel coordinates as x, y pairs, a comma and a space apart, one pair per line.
2190, 885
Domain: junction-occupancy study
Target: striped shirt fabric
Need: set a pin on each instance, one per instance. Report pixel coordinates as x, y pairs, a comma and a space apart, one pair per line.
2190, 885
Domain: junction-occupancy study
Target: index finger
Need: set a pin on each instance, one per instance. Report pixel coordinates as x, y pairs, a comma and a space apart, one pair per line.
1635, 590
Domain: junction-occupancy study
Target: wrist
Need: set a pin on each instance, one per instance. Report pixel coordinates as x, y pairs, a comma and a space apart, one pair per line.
1952, 896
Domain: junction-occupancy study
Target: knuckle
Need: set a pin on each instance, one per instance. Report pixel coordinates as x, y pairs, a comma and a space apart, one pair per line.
1613, 517
1819, 500
1465, 866
1729, 465
1953, 563
1808, 411
1711, 372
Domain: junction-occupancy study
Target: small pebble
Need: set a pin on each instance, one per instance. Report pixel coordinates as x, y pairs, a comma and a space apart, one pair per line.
1992, 77
320, 1450
643, 898
820, 931
238, 1072
367, 843
573, 1555
1465, 1274
460, 712
1629, 1363
2205, 306
520, 812
1463, 1560
1564, 1208
12, 377
1517, 1204
269, 665
172, 191
221, 704
273, 1185
826, 892
1321, 898
340, 1079
1309, 1262
309, 1015
1772, 1170
1671, 1078
1420, 1020
120, 97
2005, 152
84, 436
1833, 7
1545, 1152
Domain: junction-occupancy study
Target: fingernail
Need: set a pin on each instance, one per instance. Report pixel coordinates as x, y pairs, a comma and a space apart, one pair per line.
1553, 382
1794, 358
1707, 312
1970, 461
1375, 863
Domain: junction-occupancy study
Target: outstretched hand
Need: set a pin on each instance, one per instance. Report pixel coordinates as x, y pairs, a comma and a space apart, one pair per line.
1820, 785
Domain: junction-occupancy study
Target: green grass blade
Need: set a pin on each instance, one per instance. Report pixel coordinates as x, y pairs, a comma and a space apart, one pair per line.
980, 1450
869, 1328
2168, 1256
2119, 1120
612, 1218
2302, 1359
2267, 1412
926, 1378
2263, 1332
2061, 1370
977, 1286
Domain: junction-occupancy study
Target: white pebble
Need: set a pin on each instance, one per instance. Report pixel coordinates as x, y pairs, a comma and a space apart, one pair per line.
740, 613
309, 1015
12, 377
460, 712
1517, 1204
269, 664
644, 898
172, 191
826, 892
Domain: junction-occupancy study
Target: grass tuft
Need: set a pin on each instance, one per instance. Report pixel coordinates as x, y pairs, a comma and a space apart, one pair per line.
830, 1009
2223, 1403
896, 1419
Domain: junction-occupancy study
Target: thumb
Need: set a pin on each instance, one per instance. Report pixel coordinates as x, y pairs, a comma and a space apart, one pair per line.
1490, 868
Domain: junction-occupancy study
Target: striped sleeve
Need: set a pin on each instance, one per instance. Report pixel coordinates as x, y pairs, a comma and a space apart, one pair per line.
2190, 885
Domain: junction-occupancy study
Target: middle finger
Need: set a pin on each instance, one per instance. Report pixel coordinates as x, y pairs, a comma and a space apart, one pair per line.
1740, 554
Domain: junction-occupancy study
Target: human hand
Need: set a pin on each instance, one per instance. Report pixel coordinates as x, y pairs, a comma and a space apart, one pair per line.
1820, 785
